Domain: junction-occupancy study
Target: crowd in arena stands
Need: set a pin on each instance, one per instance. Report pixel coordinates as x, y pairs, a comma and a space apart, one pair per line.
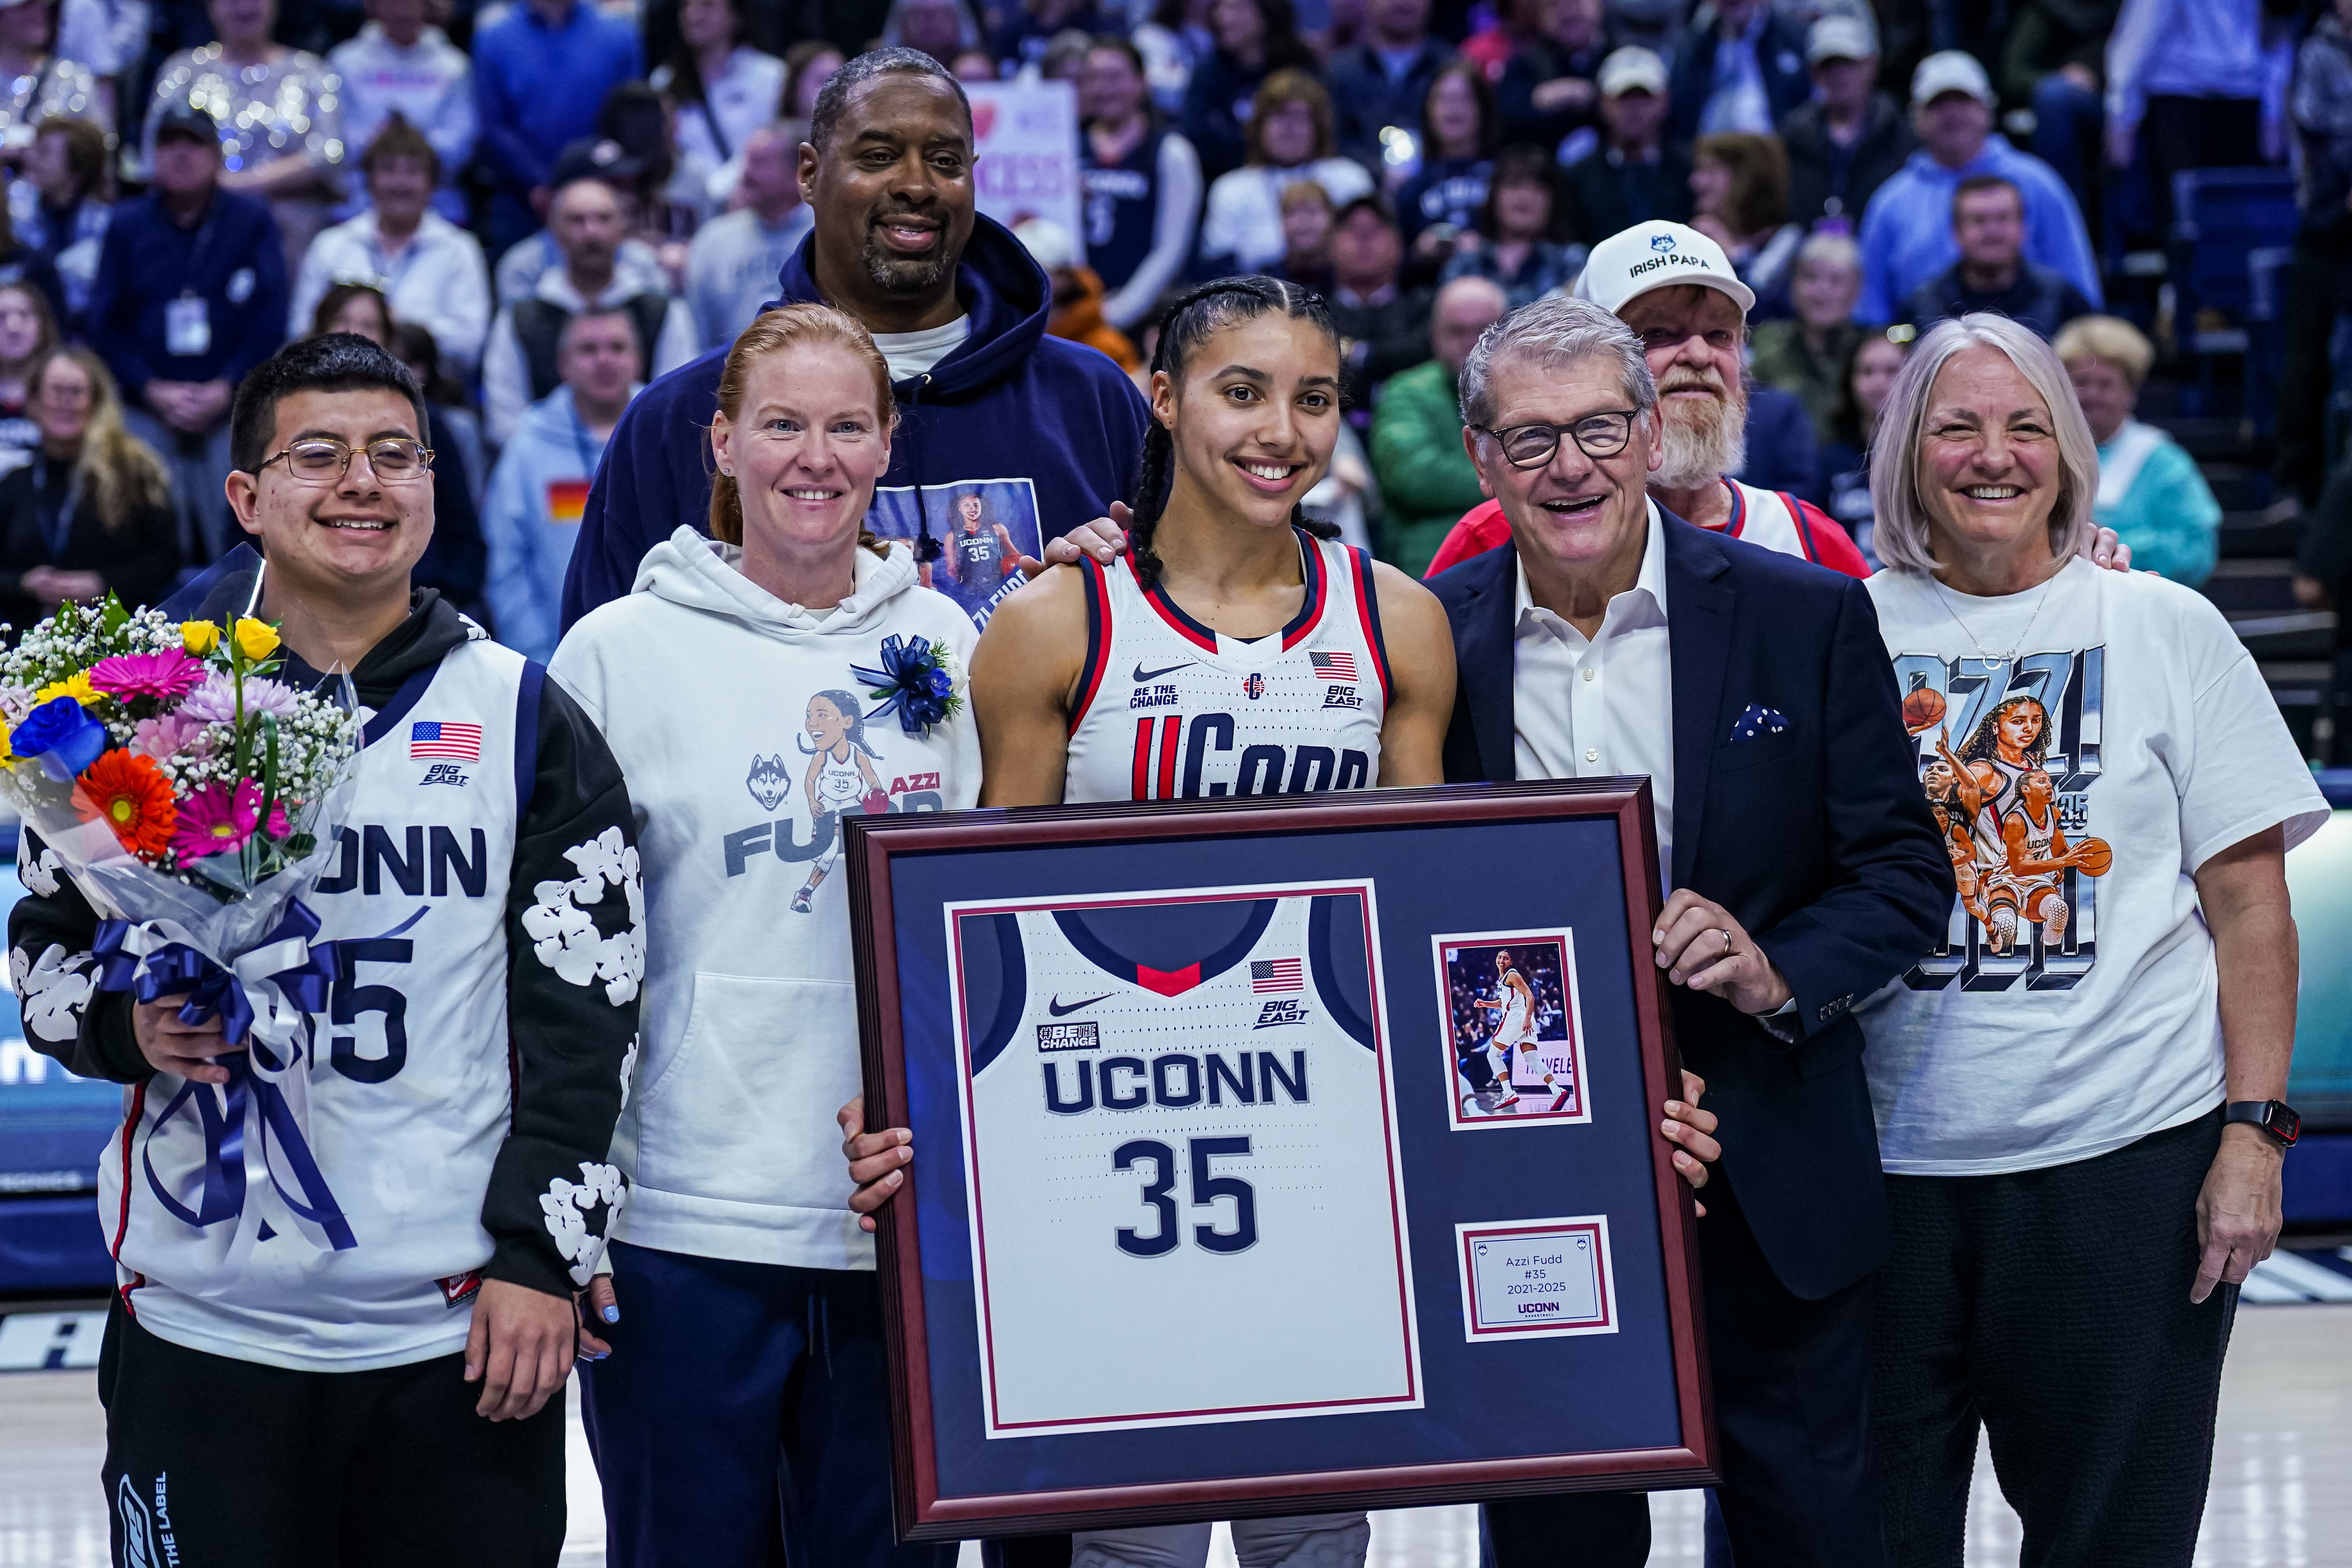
558, 202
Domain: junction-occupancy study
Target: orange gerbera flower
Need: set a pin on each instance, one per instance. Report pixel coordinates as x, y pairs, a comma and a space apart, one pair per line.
129, 794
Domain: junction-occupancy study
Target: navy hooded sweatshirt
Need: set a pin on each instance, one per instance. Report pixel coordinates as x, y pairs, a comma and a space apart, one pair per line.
1013, 439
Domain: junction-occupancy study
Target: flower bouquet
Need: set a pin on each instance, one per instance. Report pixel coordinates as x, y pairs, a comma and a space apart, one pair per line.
192, 793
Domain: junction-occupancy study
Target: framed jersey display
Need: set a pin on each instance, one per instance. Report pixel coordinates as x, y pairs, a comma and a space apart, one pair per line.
1203, 1225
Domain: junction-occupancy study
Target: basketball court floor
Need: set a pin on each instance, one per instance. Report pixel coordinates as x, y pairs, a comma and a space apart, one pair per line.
2281, 1493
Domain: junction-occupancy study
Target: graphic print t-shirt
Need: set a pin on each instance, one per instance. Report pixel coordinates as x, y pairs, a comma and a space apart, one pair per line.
2071, 1008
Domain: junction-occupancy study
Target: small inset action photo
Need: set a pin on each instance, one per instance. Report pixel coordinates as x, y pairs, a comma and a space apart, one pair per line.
1514, 1034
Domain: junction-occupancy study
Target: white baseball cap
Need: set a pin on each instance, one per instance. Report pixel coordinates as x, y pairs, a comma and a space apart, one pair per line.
1629, 68
1840, 37
1951, 70
1048, 243
1657, 255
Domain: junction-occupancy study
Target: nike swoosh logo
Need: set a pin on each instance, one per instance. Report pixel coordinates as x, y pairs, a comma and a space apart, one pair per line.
1056, 1008
1142, 675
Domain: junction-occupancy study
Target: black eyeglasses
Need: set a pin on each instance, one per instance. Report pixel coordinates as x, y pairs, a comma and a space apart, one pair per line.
1597, 436
324, 460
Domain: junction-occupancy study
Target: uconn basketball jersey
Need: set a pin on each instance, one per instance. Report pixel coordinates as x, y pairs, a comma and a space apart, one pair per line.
1159, 1156
405, 1075
1168, 708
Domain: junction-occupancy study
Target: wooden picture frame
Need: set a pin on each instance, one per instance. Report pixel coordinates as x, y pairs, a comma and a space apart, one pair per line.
1578, 855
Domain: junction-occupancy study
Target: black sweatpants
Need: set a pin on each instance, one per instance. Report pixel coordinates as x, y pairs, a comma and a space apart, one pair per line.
213, 1462
2051, 1306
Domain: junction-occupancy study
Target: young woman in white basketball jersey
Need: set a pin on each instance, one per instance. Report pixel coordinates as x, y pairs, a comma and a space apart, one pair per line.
739, 1336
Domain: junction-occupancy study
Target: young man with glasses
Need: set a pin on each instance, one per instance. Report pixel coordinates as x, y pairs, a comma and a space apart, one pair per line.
394, 1397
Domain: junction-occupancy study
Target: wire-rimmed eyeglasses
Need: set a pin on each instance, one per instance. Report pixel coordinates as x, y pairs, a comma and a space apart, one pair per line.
324, 460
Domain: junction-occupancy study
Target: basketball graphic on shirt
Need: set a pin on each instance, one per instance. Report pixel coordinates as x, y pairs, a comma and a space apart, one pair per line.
1512, 1028
2009, 757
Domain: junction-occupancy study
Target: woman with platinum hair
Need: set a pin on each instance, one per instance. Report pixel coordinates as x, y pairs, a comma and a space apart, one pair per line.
2077, 1093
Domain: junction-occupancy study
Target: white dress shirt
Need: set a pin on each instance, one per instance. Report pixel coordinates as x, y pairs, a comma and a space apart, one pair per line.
1584, 708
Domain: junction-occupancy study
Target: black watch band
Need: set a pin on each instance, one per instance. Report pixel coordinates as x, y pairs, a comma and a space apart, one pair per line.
2276, 1118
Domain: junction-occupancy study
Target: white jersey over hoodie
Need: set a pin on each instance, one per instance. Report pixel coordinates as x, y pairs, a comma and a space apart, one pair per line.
745, 739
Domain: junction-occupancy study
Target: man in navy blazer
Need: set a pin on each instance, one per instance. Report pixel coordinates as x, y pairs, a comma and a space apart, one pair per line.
1609, 636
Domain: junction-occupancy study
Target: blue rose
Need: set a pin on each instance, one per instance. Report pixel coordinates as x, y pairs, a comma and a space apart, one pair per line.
65, 738
942, 683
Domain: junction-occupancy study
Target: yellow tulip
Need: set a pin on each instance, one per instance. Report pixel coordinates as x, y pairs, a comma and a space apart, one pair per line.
255, 639
199, 638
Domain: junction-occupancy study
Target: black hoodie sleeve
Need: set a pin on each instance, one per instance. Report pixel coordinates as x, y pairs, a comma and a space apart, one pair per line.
66, 1018
575, 936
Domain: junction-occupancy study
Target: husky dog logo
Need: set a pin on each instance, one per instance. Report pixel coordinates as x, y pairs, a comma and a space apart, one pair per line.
1662, 242
770, 781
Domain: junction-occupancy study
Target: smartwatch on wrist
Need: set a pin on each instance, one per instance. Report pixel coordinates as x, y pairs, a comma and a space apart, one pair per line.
2276, 1118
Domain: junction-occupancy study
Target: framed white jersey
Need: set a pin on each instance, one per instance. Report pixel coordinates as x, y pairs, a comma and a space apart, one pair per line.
1176, 1120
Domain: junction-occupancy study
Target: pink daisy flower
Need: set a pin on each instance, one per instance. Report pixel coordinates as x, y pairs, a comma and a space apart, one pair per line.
215, 699
212, 821
167, 737
166, 674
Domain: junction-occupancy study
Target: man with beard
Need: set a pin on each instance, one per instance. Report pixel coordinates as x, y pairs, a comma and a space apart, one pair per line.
1678, 291
958, 310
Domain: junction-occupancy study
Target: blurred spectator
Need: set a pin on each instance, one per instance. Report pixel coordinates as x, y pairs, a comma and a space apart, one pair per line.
1078, 293
808, 66
1632, 176
1306, 216
540, 73
2053, 64
454, 423
2321, 107
977, 66
27, 334
1906, 231
398, 65
1066, 56
1739, 199
1254, 38
1864, 381
1458, 138
1743, 68
670, 195
109, 37
1426, 479
1992, 274
1548, 89
429, 269
732, 266
35, 84
1029, 28
1172, 43
943, 29
1383, 326
280, 116
518, 367
453, 561
518, 272
1515, 247
60, 207
1849, 138
723, 89
1290, 139
1807, 354
1381, 82
20, 263
2185, 81
1344, 495
191, 294
90, 511
531, 517
1142, 183
2151, 490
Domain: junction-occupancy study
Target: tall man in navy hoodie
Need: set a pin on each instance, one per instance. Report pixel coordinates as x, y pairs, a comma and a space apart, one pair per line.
1046, 432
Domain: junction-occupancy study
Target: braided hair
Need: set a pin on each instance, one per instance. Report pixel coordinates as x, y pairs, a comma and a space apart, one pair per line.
1190, 323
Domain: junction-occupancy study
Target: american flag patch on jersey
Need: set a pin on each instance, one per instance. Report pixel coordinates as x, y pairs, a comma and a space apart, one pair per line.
1277, 974
1334, 665
454, 742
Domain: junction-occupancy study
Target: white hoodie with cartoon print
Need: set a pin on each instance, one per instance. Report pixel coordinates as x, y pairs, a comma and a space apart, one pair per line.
745, 739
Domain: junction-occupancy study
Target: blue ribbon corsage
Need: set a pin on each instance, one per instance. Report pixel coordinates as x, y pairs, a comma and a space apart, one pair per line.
915, 680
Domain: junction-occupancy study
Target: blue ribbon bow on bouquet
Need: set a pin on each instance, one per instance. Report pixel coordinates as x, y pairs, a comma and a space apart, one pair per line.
292, 976
914, 679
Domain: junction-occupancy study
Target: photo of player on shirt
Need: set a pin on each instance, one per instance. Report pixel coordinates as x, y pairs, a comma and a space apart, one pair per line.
979, 530
1512, 1033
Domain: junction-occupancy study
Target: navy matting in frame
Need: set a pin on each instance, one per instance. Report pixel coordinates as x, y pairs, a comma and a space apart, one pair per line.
1620, 1408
